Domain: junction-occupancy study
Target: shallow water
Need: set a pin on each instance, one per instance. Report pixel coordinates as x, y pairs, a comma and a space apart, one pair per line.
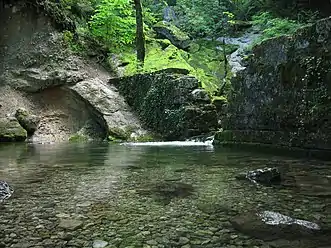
80, 195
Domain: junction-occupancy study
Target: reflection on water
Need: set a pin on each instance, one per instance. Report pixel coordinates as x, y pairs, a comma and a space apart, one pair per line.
101, 195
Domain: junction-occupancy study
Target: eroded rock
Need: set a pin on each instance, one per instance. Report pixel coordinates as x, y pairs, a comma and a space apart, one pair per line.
107, 103
28, 121
11, 130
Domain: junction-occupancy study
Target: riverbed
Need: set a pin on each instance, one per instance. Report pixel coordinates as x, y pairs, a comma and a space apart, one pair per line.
173, 195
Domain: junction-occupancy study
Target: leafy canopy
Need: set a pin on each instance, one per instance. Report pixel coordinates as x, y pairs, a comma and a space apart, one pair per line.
114, 22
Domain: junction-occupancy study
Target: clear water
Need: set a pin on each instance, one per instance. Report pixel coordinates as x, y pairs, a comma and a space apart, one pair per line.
80, 195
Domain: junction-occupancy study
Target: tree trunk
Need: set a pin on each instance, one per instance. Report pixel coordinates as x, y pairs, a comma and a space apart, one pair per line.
140, 37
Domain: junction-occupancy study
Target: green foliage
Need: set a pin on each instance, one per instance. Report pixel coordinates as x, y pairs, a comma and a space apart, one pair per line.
242, 9
203, 61
273, 27
114, 22
199, 18
68, 39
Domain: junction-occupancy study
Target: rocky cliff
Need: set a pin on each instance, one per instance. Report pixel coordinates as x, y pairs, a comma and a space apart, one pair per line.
69, 94
283, 97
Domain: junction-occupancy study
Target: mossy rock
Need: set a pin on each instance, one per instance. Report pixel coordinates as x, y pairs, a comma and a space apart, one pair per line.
204, 61
11, 130
175, 35
220, 102
28, 121
78, 138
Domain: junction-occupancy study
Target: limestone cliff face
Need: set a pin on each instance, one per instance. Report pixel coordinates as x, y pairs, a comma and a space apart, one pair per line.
39, 73
283, 97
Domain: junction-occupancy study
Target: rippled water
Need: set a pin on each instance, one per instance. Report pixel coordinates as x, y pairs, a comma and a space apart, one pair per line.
80, 195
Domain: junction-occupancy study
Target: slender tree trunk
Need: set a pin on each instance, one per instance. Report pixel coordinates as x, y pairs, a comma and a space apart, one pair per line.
140, 36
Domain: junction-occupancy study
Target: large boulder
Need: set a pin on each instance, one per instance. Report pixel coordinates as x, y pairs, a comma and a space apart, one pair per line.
268, 225
11, 130
110, 109
28, 121
169, 31
283, 96
169, 104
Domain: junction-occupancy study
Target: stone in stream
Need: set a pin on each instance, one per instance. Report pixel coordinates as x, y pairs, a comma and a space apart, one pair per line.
99, 243
268, 225
165, 191
5, 191
266, 176
70, 224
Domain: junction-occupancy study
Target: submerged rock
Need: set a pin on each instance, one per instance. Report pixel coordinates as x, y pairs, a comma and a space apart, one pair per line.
99, 244
266, 176
167, 190
11, 130
169, 31
70, 224
268, 225
5, 191
28, 121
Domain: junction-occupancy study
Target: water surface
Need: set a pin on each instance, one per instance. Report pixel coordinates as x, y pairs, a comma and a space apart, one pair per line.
77, 195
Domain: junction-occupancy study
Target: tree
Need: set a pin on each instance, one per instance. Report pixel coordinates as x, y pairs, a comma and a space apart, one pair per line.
140, 36
114, 22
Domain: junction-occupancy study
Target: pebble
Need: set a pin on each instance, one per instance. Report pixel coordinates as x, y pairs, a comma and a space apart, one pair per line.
151, 242
183, 241
99, 243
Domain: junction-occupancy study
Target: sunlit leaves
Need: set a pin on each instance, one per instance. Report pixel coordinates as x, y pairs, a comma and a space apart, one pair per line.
114, 22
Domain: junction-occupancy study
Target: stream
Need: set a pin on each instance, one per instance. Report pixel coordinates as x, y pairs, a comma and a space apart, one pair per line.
152, 195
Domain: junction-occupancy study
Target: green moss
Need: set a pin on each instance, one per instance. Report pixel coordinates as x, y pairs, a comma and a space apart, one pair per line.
11, 130
156, 58
116, 133
204, 61
78, 138
113, 139
180, 35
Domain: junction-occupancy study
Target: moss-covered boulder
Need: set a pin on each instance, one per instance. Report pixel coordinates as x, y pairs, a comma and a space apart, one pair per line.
166, 103
28, 121
283, 96
171, 32
11, 130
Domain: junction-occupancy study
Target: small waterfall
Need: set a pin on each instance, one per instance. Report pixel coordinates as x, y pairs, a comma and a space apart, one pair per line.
203, 141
